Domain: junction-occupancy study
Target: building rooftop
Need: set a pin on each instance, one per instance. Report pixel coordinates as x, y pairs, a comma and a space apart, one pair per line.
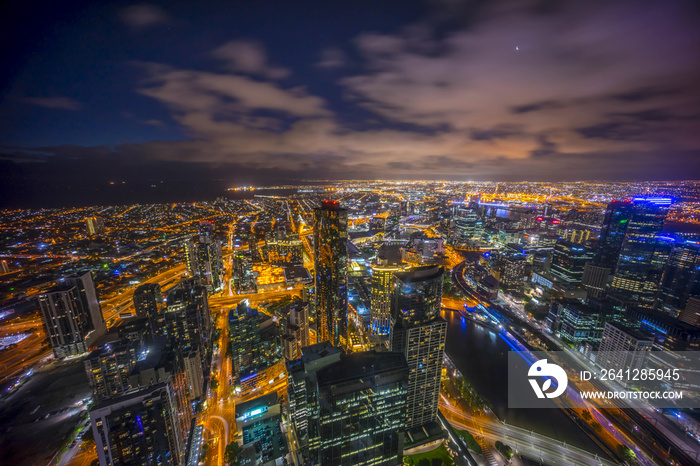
636, 334
358, 365
245, 409
419, 274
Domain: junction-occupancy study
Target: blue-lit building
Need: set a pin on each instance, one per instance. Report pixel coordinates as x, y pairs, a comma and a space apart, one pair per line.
669, 332
569, 261
681, 277
258, 422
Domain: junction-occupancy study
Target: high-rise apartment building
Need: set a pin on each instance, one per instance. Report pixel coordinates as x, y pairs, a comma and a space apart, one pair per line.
293, 322
187, 320
244, 323
204, 261
95, 226
108, 368
419, 333
466, 225
331, 272
72, 315
148, 300
138, 428
387, 264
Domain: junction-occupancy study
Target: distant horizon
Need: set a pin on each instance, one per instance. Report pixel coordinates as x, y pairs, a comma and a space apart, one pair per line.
116, 193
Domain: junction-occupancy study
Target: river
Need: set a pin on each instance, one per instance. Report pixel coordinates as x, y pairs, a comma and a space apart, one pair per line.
481, 355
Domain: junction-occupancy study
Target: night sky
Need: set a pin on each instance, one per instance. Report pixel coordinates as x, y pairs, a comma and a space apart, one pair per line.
195, 96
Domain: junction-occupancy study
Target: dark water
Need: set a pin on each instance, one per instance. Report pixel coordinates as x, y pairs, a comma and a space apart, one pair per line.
482, 357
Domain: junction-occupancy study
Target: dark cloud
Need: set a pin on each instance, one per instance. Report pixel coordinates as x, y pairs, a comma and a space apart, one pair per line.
546, 148
537, 106
142, 16
644, 94
63, 103
501, 132
502, 90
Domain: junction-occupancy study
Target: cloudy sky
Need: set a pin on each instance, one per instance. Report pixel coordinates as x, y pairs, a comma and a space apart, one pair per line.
203, 95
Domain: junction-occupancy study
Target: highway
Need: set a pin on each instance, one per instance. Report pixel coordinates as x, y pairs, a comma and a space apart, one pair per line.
610, 433
526, 442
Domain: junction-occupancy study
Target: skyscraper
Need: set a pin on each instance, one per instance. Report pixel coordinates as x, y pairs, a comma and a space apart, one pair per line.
623, 348
641, 215
72, 315
568, 261
187, 321
204, 261
331, 272
138, 428
302, 392
388, 262
244, 325
148, 300
108, 368
419, 333
362, 402
612, 234
95, 226
465, 225
681, 277
293, 322
639, 270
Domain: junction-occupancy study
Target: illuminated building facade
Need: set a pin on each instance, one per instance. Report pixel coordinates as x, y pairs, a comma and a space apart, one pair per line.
568, 262
95, 226
187, 320
204, 261
243, 324
72, 315
623, 348
640, 268
612, 234
331, 272
362, 401
108, 368
681, 277
302, 392
148, 300
419, 333
138, 428
388, 262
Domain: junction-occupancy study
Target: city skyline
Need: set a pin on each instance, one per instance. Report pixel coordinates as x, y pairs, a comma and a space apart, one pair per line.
191, 369
394, 233
181, 99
